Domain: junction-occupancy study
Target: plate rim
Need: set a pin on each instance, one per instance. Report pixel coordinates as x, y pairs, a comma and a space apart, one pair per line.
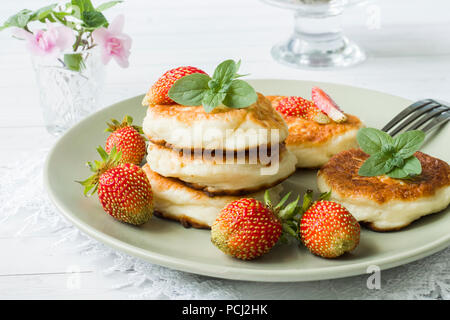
231, 272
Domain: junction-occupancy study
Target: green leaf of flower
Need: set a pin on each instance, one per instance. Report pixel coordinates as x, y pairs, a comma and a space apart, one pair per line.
408, 142
190, 89
107, 5
411, 168
84, 5
19, 20
240, 95
94, 19
378, 164
74, 61
43, 13
372, 140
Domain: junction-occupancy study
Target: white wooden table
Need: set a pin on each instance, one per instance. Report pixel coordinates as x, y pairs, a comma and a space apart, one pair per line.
409, 56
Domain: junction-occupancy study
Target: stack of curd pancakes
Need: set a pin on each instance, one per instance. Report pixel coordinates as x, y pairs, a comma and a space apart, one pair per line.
198, 161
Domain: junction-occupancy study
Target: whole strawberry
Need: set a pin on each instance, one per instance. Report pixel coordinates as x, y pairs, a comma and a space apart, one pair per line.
123, 189
127, 139
158, 92
328, 230
247, 228
299, 107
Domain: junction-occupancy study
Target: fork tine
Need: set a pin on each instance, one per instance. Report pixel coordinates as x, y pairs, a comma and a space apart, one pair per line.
443, 118
414, 116
434, 113
406, 112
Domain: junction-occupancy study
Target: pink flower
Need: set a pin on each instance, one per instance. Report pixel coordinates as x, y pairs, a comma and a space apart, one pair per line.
113, 42
55, 39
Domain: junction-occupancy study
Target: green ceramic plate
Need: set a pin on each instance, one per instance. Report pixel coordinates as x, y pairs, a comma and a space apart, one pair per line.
169, 244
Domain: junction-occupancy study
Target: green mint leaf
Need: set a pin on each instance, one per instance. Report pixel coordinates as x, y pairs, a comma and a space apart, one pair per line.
212, 99
388, 148
408, 142
378, 164
190, 90
107, 5
199, 88
74, 61
371, 140
396, 162
225, 72
411, 168
94, 19
240, 95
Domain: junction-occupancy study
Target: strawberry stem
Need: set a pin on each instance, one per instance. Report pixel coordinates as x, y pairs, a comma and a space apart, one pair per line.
126, 122
110, 160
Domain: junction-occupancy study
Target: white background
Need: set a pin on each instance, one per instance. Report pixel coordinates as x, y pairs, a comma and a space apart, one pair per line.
409, 56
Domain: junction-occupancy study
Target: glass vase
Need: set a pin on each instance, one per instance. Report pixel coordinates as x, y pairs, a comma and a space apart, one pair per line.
67, 96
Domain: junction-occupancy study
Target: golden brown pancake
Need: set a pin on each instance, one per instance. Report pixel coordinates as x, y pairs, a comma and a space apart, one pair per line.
231, 129
175, 200
222, 175
314, 143
383, 202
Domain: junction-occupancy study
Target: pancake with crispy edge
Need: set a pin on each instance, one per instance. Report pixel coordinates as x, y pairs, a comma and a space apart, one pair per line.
220, 175
175, 200
313, 143
381, 202
230, 129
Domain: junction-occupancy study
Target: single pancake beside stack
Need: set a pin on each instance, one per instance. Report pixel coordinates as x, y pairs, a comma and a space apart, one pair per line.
315, 143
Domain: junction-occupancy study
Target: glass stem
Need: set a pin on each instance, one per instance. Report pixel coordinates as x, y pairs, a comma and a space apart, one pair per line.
318, 32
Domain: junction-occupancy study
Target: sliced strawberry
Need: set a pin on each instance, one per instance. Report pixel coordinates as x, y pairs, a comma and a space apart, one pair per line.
327, 105
300, 107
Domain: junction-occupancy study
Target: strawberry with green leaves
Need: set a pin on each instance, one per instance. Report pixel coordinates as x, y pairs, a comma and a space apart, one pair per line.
127, 139
302, 108
123, 189
247, 228
328, 229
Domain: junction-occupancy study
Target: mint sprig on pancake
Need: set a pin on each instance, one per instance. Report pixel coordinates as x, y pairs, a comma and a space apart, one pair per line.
223, 88
390, 156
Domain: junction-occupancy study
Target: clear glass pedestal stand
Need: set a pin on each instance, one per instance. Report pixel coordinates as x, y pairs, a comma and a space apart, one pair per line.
318, 40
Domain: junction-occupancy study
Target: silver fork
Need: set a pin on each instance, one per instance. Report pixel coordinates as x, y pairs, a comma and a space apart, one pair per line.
424, 115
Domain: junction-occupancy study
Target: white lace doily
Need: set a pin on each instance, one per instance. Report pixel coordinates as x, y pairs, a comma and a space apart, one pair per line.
22, 196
